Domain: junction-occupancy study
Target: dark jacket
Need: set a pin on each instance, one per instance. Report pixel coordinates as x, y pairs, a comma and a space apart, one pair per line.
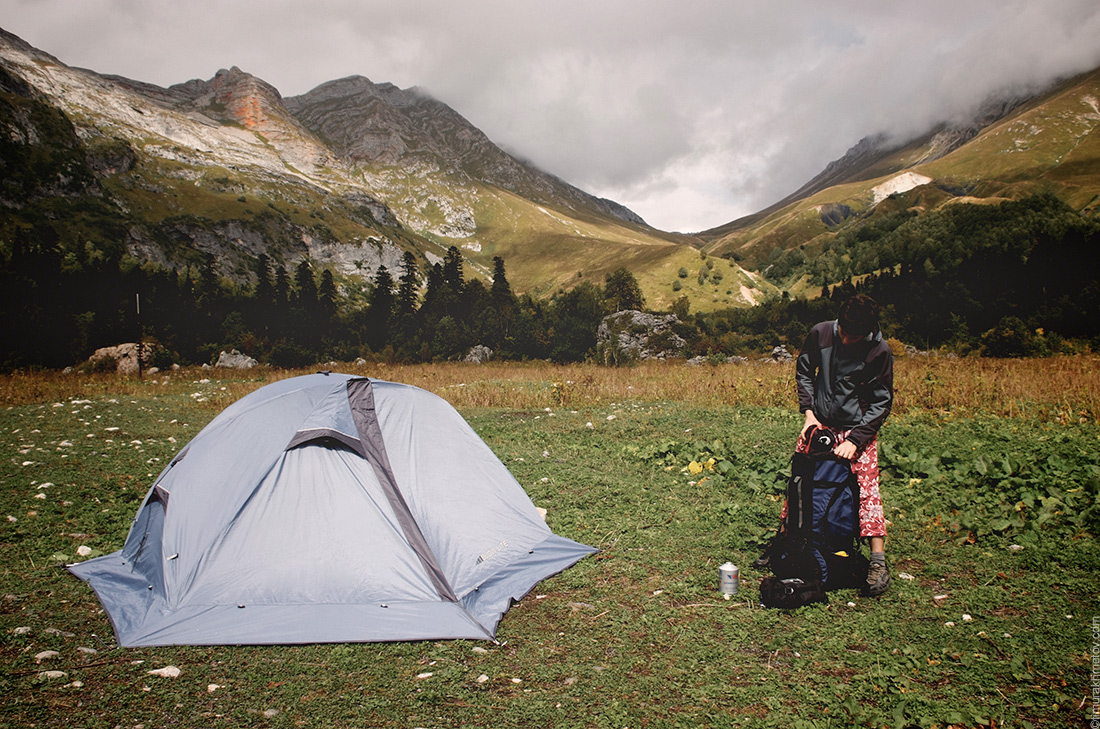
846, 386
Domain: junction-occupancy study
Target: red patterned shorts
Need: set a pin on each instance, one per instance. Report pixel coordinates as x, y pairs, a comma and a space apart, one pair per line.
872, 521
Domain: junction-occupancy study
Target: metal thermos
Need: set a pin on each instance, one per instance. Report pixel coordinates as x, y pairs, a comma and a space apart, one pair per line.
728, 579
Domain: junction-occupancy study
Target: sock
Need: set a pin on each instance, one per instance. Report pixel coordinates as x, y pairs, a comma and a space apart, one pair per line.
878, 558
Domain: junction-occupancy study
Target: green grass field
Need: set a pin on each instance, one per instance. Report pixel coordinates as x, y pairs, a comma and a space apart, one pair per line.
993, 508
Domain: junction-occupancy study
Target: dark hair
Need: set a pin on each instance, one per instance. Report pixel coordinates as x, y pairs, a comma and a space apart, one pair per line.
858, 315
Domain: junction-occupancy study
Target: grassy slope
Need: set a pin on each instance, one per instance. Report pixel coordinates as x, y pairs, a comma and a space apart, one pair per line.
637, 635
1054, 142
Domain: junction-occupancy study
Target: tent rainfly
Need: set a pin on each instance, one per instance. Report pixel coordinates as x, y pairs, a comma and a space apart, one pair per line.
328, 508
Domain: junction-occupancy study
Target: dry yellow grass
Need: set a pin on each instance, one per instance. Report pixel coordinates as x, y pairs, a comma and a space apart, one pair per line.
1065, 389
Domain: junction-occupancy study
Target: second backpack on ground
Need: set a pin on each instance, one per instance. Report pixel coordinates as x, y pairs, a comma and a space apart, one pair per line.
818, 547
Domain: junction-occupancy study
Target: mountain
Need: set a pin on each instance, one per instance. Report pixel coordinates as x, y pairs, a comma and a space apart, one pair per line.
349, 175
1014, 146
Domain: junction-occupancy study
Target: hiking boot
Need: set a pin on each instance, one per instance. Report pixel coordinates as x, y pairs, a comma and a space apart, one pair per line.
878, 579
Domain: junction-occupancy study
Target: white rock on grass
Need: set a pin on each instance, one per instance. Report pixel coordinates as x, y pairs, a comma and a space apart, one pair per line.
166, 672
52, 674
45, 656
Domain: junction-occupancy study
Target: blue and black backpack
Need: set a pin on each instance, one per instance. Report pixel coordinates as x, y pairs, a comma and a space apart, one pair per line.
818, 547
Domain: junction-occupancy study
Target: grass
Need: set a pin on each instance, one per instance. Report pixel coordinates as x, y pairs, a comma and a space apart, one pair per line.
980, 458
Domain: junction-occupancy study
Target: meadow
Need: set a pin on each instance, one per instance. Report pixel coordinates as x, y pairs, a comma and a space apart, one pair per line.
991, 480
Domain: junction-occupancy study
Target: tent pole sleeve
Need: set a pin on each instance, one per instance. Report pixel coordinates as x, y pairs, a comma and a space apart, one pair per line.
361, 400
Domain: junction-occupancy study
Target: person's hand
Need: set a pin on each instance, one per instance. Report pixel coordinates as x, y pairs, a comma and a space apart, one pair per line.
811, 420
846, 449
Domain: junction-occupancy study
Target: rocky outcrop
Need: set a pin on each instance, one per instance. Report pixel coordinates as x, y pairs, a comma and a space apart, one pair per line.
478, 354
235, 360
123, 358
633, 336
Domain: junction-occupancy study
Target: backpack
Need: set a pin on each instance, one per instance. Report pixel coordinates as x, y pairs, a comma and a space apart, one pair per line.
818, 548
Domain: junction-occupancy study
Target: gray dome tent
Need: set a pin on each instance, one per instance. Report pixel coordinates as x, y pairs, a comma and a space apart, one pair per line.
328, 508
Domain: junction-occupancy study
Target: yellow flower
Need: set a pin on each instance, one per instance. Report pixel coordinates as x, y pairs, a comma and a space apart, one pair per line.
695, 467
710, 464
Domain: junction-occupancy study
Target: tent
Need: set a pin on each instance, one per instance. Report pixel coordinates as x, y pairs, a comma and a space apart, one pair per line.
328, 508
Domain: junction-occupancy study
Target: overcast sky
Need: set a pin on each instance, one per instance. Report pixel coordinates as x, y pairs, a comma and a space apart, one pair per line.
690, 112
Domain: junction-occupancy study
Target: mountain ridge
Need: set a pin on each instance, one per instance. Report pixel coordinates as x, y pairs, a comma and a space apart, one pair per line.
397, 171
353, 173
1014, 147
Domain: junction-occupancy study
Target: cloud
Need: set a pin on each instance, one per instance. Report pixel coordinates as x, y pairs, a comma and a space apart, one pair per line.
691, 113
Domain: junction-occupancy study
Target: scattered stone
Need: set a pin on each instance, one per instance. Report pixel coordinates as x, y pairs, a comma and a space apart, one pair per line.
83, 550
939, 599
716, 359
166, 672
45, 656
426, 674
271, 713
1015, 547
905, 576
479, 649
22, 630
52, 674
482, 678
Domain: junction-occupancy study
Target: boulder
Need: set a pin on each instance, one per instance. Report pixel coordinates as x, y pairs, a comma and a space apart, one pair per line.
123, 358
235, 360
779, 355
633, 336
478, 354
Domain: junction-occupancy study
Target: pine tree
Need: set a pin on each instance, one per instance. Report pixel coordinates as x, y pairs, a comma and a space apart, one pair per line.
380, 313
327, 295
305, 287
409, 286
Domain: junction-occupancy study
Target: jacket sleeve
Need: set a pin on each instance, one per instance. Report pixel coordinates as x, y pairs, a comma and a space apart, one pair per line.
878, 397
805, 371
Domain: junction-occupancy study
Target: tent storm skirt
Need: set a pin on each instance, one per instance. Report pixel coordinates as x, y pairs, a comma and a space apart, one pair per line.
322, 509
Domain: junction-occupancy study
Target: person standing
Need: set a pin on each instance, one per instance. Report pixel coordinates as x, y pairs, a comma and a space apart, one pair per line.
845, 381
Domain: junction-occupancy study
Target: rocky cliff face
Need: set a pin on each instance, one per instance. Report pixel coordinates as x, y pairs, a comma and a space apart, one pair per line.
378, 126
352, 173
